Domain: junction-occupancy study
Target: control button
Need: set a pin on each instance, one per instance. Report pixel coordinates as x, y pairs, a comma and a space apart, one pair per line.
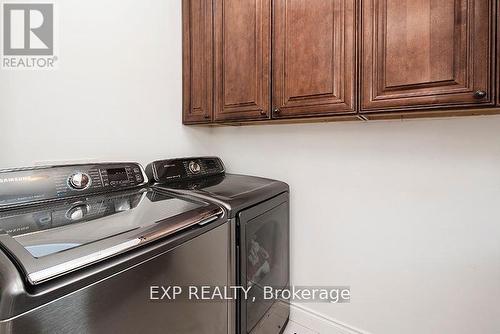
77, 212
79, 181
194, 167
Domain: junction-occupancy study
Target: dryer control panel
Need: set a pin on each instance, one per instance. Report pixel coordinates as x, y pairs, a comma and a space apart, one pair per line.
184, 169
41, 184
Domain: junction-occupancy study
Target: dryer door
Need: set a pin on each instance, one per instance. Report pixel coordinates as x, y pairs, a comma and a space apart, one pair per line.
264, 262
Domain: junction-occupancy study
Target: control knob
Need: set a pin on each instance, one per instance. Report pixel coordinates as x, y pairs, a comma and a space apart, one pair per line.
79, 181
194, 167
77, 212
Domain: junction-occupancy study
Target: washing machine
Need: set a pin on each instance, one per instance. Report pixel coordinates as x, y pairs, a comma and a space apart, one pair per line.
86, 249
257, 212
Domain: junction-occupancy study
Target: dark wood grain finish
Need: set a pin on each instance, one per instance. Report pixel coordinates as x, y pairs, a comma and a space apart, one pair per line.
197, 64
242, 59
425, 53
498, 51
314, 57
390, 115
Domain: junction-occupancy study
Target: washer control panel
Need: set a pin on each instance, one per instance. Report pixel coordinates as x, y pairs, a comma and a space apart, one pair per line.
184, 169
41, 184
35, 218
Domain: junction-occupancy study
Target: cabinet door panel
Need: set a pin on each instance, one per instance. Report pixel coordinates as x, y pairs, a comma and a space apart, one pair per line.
498, 52
242, 59
314, 57
197, 61
425, 53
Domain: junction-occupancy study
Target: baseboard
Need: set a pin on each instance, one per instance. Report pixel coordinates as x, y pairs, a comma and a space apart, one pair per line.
320, 323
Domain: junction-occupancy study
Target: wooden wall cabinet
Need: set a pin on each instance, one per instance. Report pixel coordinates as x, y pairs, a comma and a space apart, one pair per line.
197, 57
314, 58
498, 52
426, 53
242, 59
264, 60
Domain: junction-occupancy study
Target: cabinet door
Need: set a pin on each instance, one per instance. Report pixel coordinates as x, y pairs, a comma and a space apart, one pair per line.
426, 53
265, 261
242, 59
498, 52
314, 57
197, 61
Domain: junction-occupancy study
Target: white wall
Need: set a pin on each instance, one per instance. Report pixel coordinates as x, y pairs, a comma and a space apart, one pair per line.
116, 94
406, 213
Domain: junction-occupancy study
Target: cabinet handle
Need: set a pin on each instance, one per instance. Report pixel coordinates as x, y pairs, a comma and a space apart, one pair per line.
479, 94
263, 113
276, 110
207, 116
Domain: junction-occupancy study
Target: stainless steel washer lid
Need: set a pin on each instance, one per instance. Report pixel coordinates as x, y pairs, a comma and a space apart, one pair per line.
52, 240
